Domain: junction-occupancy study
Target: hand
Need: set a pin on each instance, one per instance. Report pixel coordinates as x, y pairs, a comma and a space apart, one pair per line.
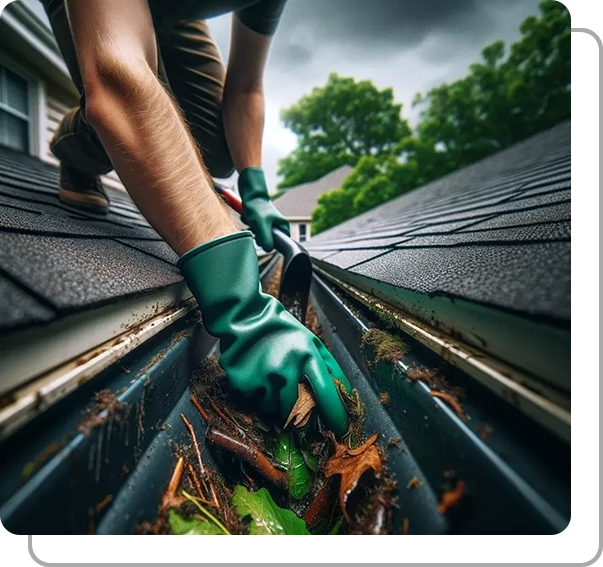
265, 351
259, 211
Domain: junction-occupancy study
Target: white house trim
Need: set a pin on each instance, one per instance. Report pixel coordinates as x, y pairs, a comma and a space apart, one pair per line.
25, 23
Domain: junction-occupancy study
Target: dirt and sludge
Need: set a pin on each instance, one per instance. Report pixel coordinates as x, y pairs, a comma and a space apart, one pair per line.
262, 477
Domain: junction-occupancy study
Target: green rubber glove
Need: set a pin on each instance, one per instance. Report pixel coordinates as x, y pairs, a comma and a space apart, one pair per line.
265, 351
259, 211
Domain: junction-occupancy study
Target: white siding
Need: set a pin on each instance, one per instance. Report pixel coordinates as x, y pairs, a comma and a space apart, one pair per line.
57, 105
55, 110
295, 229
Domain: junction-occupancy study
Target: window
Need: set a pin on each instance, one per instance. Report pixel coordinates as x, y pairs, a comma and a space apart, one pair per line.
303, 232
14, 110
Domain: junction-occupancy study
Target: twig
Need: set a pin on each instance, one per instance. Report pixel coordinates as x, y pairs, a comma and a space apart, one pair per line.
322, 504
249, 452
195, 501
203, 413
195, 481
221, 413
192, 434
169, 497
206, 482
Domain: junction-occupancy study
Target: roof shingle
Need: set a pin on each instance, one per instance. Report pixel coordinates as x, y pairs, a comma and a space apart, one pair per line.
301, 200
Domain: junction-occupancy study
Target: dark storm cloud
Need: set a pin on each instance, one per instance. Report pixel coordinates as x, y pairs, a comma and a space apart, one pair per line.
367, 27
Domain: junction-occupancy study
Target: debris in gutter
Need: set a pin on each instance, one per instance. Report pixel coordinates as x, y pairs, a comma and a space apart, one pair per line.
451, 497
388, 347
421, 374
302, 410
106, 405
483, 431
304, 476
384, 398
450, 401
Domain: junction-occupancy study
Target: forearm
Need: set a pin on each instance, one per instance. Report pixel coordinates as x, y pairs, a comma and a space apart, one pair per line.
140, 127
154, 155
244, 126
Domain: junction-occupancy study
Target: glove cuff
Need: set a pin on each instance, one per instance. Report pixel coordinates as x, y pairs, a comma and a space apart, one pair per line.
252, 184
223, 276
187, 256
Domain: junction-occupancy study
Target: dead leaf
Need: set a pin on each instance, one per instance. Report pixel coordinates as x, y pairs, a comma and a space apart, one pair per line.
451, 497
300, 414
351, 464
363, 448
414, 482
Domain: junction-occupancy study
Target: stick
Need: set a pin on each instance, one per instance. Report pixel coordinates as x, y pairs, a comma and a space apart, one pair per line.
249, 452
192, 433
195, 480
206, 482
203, 413
221, 413
169, 496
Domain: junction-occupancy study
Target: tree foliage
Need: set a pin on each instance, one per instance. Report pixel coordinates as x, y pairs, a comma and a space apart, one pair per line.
507, 96
337, 125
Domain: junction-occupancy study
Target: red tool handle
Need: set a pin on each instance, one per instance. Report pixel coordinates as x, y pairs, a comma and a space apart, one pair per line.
231, 198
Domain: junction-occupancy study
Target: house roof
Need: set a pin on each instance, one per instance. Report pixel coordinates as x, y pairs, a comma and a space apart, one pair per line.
55, 260
497, 231
482, 253
301, 200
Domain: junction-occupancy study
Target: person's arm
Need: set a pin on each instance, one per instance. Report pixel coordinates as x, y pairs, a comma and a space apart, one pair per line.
243, 111
140, 127
243, 103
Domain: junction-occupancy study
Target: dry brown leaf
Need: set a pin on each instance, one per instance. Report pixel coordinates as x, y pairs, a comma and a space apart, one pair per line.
351, 464
452, 497
300, 414
363, 448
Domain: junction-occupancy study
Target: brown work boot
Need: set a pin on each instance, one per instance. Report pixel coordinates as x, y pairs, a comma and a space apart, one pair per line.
82, 191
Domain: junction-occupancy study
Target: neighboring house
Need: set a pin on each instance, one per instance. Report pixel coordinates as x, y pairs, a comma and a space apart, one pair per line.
35, 87
297, 203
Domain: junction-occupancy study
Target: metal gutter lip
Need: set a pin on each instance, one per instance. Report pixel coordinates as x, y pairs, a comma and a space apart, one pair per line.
34, 351
106, 343
506, 382
45, 391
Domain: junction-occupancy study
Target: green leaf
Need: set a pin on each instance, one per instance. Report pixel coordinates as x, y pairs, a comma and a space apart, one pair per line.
337, 526
299, 475
191, 526
266, 517
310, 460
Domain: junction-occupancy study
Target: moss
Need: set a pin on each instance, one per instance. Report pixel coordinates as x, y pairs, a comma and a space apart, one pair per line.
387, 347
355, 409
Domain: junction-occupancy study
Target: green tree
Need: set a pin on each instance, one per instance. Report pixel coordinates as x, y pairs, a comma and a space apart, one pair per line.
502, 101
337, 125
504, 98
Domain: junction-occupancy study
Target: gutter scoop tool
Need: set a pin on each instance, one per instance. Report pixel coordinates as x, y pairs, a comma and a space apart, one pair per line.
297, 266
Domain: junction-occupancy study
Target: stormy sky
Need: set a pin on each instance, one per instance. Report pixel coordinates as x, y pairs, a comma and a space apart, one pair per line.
410, 45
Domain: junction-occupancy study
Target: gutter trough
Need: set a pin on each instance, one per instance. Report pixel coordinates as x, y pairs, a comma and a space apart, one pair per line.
58, 476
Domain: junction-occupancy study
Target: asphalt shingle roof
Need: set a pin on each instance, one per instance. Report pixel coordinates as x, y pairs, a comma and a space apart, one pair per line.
55, 260
496, 233
301, 200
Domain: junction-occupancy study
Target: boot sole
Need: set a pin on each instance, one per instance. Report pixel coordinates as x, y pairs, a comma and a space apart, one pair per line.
85, 201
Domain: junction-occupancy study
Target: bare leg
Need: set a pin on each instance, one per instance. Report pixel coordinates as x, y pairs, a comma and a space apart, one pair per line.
140, 126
